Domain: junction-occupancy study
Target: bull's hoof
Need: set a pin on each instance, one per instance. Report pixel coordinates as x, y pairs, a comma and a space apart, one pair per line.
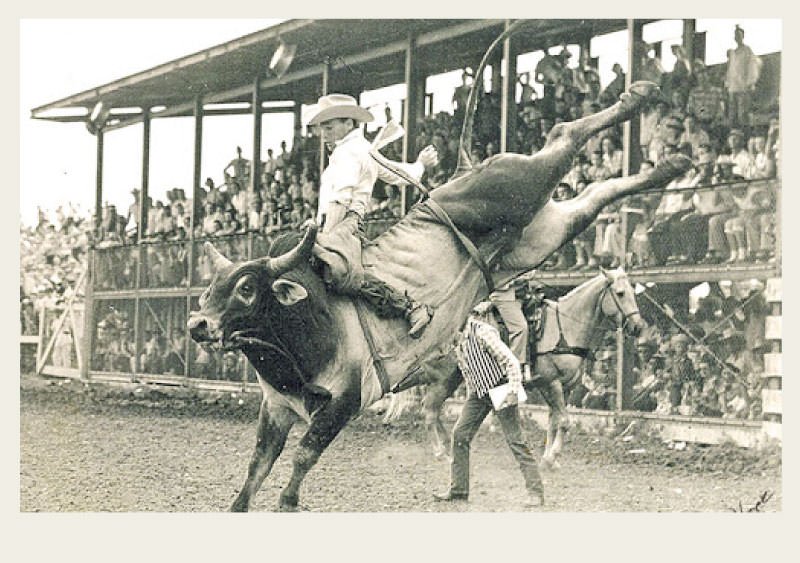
672, 167
288, 508
640, 93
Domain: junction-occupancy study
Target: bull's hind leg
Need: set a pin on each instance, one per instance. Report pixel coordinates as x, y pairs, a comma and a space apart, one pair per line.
274, 423
586, 206
435, 396
566, 139
325, 426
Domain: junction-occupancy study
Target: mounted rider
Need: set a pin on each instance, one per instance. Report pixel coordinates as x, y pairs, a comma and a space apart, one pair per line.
345, 190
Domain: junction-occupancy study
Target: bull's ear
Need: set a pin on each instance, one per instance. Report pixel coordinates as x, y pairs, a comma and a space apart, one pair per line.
288, 292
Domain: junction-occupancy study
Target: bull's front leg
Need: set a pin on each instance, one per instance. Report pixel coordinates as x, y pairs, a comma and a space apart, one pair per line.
274, 424
325, 426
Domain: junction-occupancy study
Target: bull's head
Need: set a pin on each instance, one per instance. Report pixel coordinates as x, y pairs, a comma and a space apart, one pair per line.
256, 297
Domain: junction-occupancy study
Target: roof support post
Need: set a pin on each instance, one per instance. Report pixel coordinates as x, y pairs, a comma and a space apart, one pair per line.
508, 103
415, 91
141, 229
689, 28
198, 156
98, 194
631, 130
326, 75
255, 166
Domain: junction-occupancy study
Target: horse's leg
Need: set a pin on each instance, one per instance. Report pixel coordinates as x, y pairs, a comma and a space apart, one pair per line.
325, 426
547, 456
561, 421
274, 423
435, 396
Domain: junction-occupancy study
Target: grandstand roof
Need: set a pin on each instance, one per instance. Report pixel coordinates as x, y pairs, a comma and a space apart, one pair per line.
364, 54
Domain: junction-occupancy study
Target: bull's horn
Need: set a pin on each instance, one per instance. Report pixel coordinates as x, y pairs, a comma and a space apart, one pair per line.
302, 252
218, 261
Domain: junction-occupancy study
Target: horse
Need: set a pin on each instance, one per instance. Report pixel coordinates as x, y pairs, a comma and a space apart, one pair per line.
569, 333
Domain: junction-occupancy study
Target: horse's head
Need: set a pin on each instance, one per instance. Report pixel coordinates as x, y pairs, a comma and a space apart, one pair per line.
619, 298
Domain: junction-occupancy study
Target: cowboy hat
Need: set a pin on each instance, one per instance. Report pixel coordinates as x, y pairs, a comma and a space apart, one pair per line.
339, 106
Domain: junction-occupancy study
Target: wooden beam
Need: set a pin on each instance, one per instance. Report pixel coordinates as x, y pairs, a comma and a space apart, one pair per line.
255, 164
631, 129
98, 194
508, 102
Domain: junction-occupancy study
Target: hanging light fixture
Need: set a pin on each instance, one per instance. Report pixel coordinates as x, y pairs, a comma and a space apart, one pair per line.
97, 118
281, 59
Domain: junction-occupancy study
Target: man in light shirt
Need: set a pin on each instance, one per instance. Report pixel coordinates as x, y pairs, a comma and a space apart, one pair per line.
345, 191
486, 362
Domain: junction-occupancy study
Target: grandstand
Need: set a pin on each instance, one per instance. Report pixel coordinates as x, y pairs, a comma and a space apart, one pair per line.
145, 270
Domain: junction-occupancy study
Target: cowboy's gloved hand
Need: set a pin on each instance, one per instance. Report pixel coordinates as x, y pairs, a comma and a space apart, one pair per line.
429, 156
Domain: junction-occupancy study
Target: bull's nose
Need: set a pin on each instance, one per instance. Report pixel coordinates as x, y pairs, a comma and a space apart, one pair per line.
198, 328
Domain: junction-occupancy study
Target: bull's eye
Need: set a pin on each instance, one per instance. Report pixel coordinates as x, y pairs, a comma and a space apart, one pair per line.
246, 290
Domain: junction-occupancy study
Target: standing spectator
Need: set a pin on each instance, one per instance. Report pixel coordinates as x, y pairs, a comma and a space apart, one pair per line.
707, 102
679, 80
743, 72
611, 93
528, 94
238, 169
680, 369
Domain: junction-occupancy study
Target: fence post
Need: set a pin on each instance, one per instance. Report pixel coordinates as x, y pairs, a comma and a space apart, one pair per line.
772, 403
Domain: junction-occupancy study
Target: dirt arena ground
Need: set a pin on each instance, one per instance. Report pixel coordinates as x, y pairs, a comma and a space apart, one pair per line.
102, 449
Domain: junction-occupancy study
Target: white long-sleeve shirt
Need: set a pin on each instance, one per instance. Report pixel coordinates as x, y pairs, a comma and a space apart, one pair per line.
352, 172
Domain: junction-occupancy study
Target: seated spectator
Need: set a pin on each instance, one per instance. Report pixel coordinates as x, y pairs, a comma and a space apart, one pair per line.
612, 155
674, 205
597, 171
152, 358
736, 154
692, 233
693, 135
577, 173
173, 360
743, 231
650, 121
668, 132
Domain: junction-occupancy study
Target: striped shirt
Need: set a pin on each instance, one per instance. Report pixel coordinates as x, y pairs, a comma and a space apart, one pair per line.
485, 360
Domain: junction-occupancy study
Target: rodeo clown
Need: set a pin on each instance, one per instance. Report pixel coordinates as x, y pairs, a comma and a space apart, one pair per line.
345, 191
487, 365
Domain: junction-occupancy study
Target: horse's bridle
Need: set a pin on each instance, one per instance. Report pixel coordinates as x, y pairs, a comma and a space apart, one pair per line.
617, 303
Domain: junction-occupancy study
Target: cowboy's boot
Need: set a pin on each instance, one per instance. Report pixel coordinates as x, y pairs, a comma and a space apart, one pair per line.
418, 316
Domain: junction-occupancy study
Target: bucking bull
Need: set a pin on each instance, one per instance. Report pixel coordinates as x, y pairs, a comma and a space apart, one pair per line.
323, 357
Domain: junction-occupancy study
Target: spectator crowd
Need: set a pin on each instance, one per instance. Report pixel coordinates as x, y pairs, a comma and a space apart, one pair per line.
722, 210
710, 363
